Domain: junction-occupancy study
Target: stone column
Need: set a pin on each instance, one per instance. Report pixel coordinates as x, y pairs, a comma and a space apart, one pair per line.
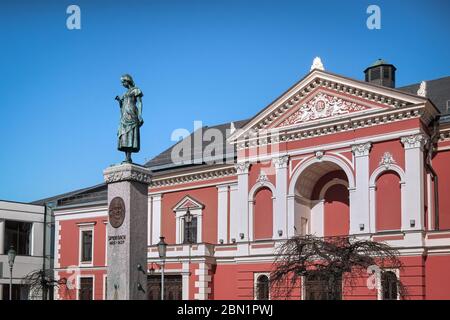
127, 231
359, 198
281, 214
414, 182
242, 205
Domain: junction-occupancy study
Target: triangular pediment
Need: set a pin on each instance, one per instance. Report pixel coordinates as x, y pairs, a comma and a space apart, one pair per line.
323, 105
325, 97
188, 202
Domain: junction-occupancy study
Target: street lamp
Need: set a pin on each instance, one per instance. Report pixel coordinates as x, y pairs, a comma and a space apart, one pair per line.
162, 249
188, 220
11, 258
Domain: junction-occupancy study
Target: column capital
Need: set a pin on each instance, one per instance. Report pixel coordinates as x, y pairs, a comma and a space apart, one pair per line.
281, 162
361, 149
242, 167
414, 141
127, 172
222, 188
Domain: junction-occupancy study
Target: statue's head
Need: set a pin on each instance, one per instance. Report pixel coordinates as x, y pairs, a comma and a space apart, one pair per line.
127, 80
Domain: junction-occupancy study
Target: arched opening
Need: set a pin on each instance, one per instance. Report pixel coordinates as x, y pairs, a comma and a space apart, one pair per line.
263, 214
322, 205
389, 285
388, 202
262, 287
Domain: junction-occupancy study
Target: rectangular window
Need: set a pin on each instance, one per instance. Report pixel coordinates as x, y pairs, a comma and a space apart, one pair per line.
18, 235
323, 287
19, 292
190, 231
173, 287
86, 289
86, 246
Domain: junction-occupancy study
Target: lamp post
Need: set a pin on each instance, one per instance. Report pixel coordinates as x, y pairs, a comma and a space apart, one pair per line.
162, 248
188, 220
11, 258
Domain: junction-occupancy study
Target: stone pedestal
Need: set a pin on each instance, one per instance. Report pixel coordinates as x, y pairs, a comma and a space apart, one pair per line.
127, 231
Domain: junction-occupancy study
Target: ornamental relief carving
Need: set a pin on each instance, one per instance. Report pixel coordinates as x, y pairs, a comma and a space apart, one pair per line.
127, 173
322, 106
387, 160
414, 141
281, 162
362, 149
242, 167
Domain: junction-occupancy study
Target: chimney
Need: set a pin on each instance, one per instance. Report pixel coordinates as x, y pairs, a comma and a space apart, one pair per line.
381, 73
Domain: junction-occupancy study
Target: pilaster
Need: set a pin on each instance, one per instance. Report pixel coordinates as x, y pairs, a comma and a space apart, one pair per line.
413, 218
359, 198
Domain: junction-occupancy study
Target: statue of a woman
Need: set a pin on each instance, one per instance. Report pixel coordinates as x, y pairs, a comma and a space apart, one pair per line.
131, 118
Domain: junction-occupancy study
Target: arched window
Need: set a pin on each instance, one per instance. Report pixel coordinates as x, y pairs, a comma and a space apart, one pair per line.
262, 287
388, 202
263, 214
389, 285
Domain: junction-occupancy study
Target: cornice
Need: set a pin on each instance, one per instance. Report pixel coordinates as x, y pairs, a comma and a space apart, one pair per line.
193, 177
332, 127
373, 95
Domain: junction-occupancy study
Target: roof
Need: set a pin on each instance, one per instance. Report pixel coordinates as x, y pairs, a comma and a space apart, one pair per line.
163, 161
77, 197
438, 91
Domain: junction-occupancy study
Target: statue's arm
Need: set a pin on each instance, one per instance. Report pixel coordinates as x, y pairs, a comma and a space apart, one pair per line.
139, 108
119, 99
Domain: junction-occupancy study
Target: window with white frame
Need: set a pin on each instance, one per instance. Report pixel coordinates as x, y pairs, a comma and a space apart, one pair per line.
86, 288
188, 214
262, 286
389, 285
86, 243
190, 230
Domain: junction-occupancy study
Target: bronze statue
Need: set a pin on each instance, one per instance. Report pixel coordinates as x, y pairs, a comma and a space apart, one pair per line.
131, 118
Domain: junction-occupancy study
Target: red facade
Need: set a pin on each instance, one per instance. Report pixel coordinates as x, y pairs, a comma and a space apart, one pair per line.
331, 156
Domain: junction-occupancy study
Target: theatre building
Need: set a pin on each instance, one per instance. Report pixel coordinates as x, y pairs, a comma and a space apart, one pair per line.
331, 156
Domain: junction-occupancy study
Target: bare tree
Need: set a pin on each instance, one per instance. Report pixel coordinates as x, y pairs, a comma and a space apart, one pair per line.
41, 282
330, 260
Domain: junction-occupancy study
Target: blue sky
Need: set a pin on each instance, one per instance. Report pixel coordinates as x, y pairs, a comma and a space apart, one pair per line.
214, 61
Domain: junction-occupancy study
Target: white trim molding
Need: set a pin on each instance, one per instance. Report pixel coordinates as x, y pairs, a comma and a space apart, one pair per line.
78, 288
373, 188
85, 227
251, 200
256, 275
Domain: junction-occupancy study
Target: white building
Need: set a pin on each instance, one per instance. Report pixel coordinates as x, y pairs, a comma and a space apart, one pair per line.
22, 226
